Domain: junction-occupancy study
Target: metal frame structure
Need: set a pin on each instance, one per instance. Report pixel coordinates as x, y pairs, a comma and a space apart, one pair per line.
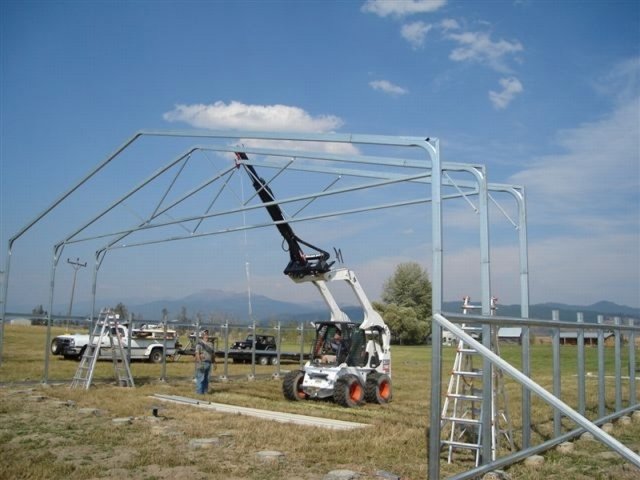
453, 321
377, 172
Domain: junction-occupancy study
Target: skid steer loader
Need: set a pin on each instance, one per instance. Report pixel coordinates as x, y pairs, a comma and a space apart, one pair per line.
350, 361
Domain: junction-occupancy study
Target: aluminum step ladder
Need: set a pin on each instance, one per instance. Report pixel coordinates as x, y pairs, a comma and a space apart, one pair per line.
105, 327
461, 418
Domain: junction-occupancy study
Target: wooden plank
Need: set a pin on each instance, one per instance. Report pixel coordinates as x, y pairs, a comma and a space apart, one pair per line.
263, 414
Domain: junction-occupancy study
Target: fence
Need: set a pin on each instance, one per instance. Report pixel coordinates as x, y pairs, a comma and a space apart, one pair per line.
576, 413
292, 343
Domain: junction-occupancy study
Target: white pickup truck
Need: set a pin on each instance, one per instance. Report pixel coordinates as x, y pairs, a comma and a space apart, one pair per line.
146, 343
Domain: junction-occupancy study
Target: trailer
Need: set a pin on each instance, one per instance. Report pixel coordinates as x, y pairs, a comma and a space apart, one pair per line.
266, 352
262, 357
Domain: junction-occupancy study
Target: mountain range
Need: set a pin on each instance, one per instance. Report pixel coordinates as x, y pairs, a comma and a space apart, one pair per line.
224, 304
235, 307
567, 312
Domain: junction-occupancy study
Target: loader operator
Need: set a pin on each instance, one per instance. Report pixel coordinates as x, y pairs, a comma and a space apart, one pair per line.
335, 344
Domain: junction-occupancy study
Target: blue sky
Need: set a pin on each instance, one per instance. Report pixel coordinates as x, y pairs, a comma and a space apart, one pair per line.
545, 94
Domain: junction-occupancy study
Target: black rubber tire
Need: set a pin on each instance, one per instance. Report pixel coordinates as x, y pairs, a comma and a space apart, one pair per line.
55, 347
156, 355
292, 386
274, 361
378, 388
348, 391
263, 360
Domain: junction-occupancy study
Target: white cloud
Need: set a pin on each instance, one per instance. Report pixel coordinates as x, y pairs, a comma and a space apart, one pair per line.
449, 24
511, 87
401, 8
478, 47
593, 182
388, 87
622, 81
415, 33
263, 118
239, 116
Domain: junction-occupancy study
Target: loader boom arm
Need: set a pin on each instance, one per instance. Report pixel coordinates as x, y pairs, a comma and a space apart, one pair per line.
300, 264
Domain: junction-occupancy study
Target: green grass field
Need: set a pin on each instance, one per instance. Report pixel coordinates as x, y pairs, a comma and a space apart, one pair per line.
52, 432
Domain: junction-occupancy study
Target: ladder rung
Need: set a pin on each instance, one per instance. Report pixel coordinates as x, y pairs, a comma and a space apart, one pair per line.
455, 444
469, 421
464, 397
467, 350
463, 373
466, 421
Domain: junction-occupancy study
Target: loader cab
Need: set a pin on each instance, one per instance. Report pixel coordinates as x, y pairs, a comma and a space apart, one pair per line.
339, 342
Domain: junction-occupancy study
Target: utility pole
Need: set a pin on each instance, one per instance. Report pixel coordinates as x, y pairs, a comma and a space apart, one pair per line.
76, 266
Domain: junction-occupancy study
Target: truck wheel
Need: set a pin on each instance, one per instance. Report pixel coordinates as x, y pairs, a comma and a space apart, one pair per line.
348, 391
274, 361
156, 355
292, 386
263, 360
55, 347
378, 388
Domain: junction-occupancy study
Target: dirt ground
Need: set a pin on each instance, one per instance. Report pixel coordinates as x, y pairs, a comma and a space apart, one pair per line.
50, 433
111, 433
